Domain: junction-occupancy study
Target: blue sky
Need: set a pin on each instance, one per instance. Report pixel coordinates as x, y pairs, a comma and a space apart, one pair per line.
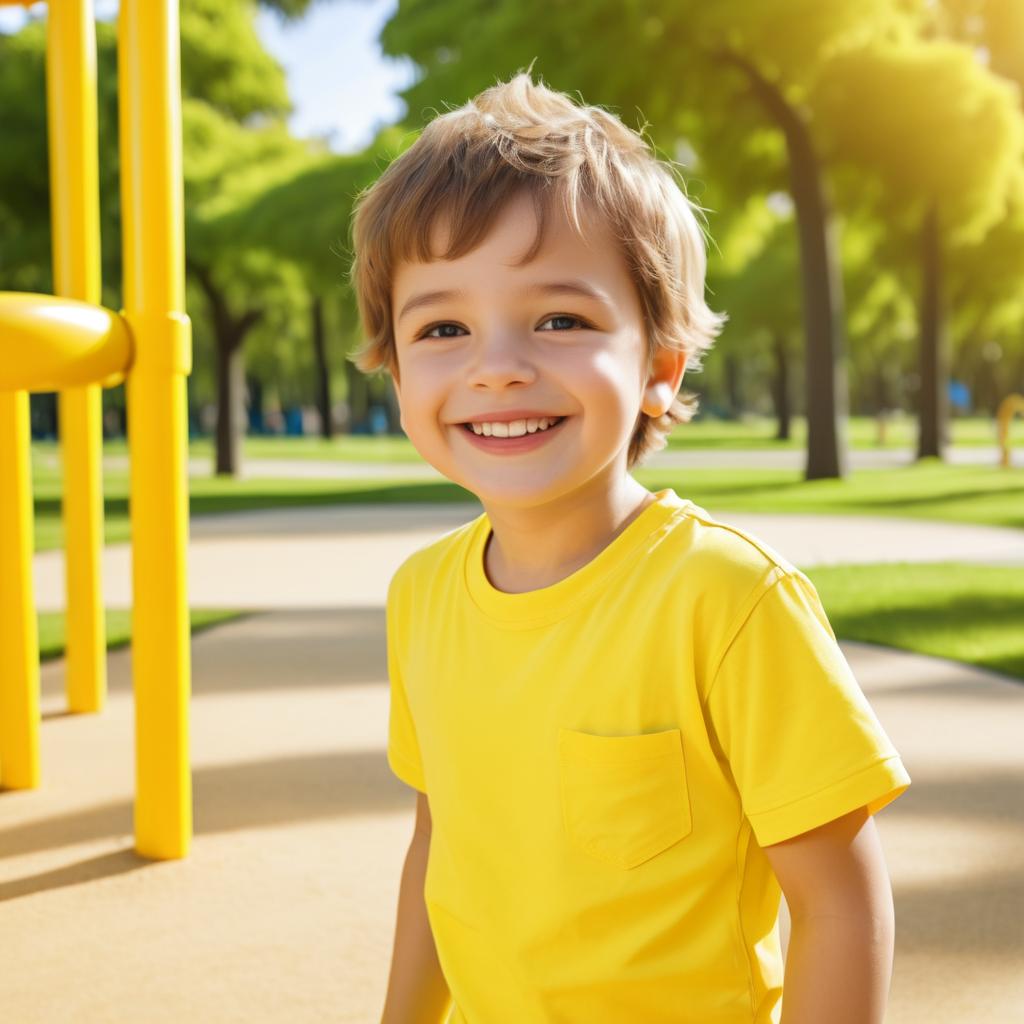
340, 83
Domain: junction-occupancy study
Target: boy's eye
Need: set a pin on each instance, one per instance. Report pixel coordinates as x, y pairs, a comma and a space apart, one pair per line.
428, 332
565, 316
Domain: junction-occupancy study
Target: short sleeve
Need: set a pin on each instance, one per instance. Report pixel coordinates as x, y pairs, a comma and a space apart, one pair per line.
803, 743
403, 747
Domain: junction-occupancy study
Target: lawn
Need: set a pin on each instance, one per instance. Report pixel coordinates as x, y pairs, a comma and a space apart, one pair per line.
968, 613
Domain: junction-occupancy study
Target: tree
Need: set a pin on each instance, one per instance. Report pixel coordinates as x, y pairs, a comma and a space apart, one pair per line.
987, 303
304, 220
757, 281
946, 139
24, 159
236, 144
986, 280
230, 165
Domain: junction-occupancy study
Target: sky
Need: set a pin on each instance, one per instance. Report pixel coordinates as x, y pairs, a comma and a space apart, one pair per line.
343, 88
340, 82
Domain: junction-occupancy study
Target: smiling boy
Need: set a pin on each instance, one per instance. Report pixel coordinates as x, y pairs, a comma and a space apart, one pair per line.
629, 724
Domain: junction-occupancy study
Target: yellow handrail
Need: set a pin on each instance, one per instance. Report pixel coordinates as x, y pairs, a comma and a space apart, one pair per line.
73, 345
48, 343
1004, 414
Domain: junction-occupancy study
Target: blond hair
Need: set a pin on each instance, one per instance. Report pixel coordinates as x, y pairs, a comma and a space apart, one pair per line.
515, 136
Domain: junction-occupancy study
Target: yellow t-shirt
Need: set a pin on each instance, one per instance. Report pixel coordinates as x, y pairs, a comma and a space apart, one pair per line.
604, 756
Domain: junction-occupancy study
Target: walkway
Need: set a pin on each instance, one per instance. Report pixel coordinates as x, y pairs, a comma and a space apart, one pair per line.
284, 909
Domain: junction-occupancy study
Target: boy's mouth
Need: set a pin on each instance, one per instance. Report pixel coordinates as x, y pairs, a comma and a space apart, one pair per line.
529, 433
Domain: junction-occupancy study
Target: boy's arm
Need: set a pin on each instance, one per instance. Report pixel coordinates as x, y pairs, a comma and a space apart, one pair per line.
417, 991
837, 888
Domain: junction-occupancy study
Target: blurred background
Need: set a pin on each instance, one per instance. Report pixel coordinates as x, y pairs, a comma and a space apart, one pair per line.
861, 165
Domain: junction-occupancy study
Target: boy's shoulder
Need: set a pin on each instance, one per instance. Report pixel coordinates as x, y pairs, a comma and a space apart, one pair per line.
722, 547
724, 573
717, 539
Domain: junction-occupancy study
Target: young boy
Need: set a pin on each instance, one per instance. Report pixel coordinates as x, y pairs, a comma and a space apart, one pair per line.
628, 723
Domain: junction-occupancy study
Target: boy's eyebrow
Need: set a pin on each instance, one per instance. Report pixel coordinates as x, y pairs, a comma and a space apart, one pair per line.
580, 288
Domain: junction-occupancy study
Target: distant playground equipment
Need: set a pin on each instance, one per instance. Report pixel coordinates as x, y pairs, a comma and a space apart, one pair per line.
1004, 415
69, 343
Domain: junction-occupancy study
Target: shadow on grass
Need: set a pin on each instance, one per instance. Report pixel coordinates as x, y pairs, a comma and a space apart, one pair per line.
909, 627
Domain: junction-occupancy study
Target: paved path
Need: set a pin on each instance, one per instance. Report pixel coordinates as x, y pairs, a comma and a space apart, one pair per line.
284, 909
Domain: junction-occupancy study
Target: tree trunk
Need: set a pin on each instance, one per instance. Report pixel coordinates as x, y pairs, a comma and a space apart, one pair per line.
254, 388
44, 414
229, 335
230, 382
733, 390
933, 397
827, 399
358, 395
881, 381
826, 387
323, 382
394, 411
780, 387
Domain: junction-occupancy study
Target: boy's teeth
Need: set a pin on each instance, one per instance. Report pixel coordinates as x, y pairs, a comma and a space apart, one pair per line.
515, 428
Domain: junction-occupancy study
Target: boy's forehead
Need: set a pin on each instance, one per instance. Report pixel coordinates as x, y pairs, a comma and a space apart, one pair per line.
564, 252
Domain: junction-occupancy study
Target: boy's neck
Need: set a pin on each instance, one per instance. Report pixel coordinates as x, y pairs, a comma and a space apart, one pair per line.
537, 547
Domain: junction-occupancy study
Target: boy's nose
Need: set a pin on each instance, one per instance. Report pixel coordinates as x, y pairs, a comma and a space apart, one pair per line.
499, 361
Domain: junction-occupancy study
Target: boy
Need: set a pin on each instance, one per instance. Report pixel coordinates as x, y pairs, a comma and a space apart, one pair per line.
627, 722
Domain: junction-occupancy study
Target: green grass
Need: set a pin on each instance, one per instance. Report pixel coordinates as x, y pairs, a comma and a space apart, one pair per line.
119, 627
967, 613
929, 489
749, 433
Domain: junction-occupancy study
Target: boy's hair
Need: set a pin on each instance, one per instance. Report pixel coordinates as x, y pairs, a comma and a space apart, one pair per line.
516, 136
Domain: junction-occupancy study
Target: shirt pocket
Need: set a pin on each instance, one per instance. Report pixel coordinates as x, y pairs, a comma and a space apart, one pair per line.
624, 798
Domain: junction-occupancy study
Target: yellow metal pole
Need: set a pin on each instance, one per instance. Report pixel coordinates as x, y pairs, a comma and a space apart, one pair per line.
75, 217
152, 208
19, 637
1004, 415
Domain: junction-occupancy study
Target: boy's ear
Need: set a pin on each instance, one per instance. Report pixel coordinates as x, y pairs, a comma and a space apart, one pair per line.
664, 381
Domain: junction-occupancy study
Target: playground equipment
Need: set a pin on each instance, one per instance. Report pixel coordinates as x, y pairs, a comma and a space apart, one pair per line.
67, 342
1004, 414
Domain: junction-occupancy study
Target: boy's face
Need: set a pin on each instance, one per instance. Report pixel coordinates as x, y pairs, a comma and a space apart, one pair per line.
504, 346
